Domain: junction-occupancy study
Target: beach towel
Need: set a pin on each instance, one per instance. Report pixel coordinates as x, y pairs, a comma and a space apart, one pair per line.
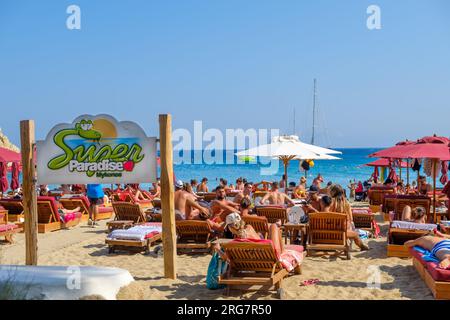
430, 256
7, 227
215, 268
413, 225
137, 233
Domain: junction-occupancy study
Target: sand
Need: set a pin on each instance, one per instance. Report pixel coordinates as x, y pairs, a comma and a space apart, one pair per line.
339, 278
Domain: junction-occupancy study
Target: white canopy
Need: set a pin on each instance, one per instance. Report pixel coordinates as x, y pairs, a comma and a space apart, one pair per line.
291, 147
288, 148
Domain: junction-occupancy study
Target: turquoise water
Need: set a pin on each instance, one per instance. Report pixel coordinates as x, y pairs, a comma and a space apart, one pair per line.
337, 171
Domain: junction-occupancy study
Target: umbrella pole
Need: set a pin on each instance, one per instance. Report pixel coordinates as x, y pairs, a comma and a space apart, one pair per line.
285, 161
407, 171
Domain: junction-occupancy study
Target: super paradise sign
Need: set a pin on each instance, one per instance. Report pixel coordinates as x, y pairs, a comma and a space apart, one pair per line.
96, 149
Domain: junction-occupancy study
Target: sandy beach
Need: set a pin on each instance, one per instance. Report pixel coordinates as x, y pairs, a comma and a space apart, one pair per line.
339, 279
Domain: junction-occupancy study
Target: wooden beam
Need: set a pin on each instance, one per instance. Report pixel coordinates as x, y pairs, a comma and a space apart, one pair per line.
29, 191
167, 196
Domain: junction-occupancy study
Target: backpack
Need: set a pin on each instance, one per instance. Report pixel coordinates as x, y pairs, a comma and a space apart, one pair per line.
212, 277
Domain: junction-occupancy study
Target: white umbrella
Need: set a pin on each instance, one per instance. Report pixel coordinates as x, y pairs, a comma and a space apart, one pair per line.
287, 148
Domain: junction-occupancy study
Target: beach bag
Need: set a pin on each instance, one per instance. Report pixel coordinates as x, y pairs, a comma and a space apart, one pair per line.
212, 277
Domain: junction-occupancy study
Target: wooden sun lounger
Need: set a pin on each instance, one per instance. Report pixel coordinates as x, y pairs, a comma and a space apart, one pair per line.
259, 223
8, 234
48, 218
439, 289
129, 211
15, 209
72, 203
253, 264
132, 245
193, 236
396, 239
273, 214
328, 232
364, 221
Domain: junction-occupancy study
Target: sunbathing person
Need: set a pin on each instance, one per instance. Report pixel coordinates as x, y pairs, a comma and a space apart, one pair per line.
136, 194
275, 197
241, 230
245, 194
418, 215
221, 207
186, 208
341, 205
438, 246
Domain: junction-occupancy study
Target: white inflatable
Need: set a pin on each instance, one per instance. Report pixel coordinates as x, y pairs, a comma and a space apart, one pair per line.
64, 283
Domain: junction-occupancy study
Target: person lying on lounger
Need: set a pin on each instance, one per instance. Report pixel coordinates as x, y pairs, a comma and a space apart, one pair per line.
241, 230
417, 215
186, 206
438, 246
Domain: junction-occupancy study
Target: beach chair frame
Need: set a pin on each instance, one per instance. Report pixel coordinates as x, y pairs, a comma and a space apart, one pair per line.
15, 209
253, 264
259, 223
364, 221
439, 289
8, 234
133, 245
193, 236
396, 239
72, 203
129, 211
327, 232
273, 214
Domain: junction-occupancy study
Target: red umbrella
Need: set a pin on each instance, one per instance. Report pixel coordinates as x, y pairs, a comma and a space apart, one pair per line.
384, 163
392, 174
392, 152
15, 176
3, 177
7, 155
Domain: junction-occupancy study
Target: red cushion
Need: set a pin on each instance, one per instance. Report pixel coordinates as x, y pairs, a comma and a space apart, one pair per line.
102, 209
438, 274
294, 247
53, 203
7, 227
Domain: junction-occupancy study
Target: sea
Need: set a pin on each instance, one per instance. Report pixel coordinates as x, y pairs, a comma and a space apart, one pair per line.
200, 163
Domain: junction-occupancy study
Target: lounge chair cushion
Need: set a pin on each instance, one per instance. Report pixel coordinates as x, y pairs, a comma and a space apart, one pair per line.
436, 273
294, 247
413, 226
7, 227
102, 209
137, 233
53, 203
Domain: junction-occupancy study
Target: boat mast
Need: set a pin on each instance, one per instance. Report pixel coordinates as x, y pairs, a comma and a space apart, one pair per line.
314, 113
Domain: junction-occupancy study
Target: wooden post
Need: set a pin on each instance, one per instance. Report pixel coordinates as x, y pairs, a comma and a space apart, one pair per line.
167, 196
407, 171
29, 191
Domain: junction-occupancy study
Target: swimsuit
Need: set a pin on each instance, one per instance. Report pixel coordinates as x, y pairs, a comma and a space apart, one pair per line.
443, 246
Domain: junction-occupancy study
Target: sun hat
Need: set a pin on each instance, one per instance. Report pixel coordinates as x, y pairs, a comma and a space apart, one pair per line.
179, 184
233, 218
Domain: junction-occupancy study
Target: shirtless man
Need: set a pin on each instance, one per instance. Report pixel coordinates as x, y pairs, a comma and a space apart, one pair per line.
276, 197
186, 208
245, 194
221, 207
439, 246
203, 186
318, 181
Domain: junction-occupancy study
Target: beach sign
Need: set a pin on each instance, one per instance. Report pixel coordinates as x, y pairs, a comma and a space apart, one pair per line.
96, 149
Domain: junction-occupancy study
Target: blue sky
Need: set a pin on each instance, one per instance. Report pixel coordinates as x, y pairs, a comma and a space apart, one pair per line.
232, 64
